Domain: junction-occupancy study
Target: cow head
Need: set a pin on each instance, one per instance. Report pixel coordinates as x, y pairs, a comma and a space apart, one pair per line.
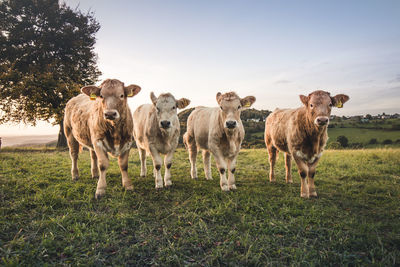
166, 109
231, 105
113, 96
319, 105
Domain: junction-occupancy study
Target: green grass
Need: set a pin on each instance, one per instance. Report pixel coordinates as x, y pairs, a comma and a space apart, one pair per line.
359, 135
47, 219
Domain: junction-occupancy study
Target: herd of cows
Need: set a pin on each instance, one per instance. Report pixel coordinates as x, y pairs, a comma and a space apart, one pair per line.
100, 119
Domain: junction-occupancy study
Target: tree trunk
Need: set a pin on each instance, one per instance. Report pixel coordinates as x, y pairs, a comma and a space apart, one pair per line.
62, 140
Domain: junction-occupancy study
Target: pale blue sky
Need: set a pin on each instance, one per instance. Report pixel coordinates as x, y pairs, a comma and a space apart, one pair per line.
274, 50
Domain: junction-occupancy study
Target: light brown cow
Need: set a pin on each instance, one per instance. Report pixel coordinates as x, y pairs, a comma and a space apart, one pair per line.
100, 119
301, 133
156, 131
219, 131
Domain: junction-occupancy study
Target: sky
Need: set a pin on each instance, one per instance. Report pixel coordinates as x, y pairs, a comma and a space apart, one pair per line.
274, 50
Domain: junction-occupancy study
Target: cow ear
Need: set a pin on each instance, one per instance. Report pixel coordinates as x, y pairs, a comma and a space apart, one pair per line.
153, 98
304, 99
218, 97
182, 103
92, 91
132, 90
247, 101
339, 100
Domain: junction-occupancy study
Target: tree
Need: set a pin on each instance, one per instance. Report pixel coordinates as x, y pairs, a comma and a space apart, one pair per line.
344, 142
46, 56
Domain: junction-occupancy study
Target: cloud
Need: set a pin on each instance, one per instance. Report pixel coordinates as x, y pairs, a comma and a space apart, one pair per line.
283, 81
396, 79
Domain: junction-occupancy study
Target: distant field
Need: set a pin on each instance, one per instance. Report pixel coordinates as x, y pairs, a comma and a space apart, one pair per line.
46, 219
358, 135
28, 140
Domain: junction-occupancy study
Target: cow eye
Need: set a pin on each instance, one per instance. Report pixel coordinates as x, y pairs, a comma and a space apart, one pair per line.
221, 108
330, 105
101, 96
122, 96
173, 107
239, 107
311, 105
158, 109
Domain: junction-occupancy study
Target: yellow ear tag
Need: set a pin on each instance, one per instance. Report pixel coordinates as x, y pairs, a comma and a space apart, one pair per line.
339, 104
93, 96
247, 105
130, 93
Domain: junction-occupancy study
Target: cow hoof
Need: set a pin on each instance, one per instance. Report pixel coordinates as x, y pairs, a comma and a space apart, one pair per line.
232, 187
75, 178
100, 194
304, 195
272, 180
143, 176
225, 188
158, 187
129, 187
95, 177
313, 194
168, 183
289, 181
209, 178
195, 178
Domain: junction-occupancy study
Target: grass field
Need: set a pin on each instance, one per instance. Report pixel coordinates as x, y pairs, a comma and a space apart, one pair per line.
45, 218
359, 135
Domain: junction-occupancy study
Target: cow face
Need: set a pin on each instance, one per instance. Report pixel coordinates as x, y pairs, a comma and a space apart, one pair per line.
166, 109
112, 95
231, 105
319, 105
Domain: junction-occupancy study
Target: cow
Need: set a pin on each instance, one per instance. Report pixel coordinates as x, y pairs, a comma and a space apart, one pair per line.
156, 131
100, 119
302, 134
217, 131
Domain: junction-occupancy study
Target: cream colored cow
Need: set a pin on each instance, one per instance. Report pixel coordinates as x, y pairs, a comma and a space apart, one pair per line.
218, 131
156, 131
100, 119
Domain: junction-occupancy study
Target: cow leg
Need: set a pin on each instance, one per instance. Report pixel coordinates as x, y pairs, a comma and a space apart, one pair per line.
157, 162
311, 173
272, 153
303, 170
102, 162
288, 167
231, 175
192, 149
143, 167
207, 164
123, 166
168, 164
93, 164
222, 168
73, 153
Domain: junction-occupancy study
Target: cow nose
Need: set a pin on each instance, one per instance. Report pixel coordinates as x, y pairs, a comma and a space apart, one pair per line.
165, 124
110, 115
322, 120
230, 124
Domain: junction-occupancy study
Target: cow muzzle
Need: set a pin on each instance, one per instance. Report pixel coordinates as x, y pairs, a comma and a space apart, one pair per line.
111, 114
321, 120
165, 124
230, 124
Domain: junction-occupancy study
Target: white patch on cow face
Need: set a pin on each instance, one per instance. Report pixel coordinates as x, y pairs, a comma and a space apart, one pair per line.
166, 112
231, 113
